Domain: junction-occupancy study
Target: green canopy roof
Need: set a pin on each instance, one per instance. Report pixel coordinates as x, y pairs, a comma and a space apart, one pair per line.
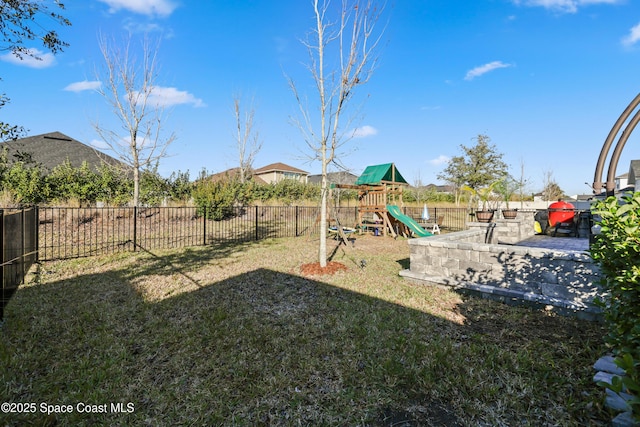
377, 173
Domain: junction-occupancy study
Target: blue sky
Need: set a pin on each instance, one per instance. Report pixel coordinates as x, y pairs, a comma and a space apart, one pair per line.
545, 79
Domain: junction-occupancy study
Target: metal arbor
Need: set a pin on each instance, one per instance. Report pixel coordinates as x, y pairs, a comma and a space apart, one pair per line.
613, 163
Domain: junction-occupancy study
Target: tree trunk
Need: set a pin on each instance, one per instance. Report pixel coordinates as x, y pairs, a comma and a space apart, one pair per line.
136, 186
323, 216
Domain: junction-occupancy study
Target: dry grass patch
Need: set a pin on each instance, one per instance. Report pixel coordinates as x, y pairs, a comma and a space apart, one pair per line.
235, 335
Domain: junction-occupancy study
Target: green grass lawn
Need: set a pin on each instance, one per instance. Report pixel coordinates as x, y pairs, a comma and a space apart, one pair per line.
234, 335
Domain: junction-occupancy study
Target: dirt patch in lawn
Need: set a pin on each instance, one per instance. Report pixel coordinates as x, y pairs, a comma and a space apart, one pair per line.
314, 268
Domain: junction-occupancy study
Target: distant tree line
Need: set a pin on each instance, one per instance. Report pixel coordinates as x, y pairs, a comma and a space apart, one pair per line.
25, 182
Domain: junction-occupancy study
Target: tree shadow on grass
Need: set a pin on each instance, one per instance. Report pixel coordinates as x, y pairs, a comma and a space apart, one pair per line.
190, 259
405, 263
260, 348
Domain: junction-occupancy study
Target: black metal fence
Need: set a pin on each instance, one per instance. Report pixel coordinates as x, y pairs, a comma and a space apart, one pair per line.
453, 219
81, 232
18, 249
67, 232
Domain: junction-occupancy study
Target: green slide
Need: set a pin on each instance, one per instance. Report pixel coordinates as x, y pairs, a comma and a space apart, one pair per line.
408, 221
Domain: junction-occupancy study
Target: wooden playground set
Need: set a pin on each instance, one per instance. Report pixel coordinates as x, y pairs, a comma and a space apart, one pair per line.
379, 199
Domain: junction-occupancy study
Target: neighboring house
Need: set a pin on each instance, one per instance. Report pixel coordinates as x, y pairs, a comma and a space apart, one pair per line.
633, 177
450, 189
539, 197
276, 172
622, 181
334, 178
232, 174
52, 149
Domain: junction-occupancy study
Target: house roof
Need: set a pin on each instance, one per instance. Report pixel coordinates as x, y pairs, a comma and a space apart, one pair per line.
342, 177
438, 188
634, 173
377, 173
279, 167
233, 173
53, 149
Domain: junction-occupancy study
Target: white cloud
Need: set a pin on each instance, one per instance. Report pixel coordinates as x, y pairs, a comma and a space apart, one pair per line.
440, 160
99, 144
168, 96
483, 69
41, 60
566, 6
364, 131
82, 86
632, 37
143, 7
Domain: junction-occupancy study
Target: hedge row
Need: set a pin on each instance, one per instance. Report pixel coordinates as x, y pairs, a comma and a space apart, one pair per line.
25, 182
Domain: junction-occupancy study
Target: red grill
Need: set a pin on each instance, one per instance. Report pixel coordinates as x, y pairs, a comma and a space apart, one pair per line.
560, 212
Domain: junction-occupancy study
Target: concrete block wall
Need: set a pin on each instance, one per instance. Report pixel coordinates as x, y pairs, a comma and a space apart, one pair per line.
507, 230
566, 280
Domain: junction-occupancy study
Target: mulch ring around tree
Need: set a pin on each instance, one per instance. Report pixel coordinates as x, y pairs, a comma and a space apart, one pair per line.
314, 269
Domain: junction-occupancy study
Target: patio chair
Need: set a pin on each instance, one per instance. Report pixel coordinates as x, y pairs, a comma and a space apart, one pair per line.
434, 226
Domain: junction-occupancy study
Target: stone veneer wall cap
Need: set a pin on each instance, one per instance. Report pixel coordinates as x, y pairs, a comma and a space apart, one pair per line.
501, 292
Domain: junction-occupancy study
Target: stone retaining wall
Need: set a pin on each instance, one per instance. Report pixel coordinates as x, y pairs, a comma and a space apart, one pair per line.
473, 261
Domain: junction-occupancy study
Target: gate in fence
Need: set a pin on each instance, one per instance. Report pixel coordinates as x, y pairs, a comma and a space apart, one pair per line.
18, 249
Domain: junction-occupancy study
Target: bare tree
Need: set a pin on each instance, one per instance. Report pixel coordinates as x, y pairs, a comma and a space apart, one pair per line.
551, 190
129, 87
342, 57
246, 137
523, 182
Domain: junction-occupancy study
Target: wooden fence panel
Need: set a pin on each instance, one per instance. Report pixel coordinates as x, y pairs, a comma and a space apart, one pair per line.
18, 249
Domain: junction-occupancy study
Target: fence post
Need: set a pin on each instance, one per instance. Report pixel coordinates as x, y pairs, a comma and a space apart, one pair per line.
296, 221
256, 212
23, 215
135, 227
2, 242
36, 244
204, 227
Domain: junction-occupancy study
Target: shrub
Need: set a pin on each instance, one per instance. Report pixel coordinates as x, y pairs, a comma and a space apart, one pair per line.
286, 191
179, 187
153, 188
68, 183
617, 251
216, 199
115, 188
25, 183
426, 194
289, 191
